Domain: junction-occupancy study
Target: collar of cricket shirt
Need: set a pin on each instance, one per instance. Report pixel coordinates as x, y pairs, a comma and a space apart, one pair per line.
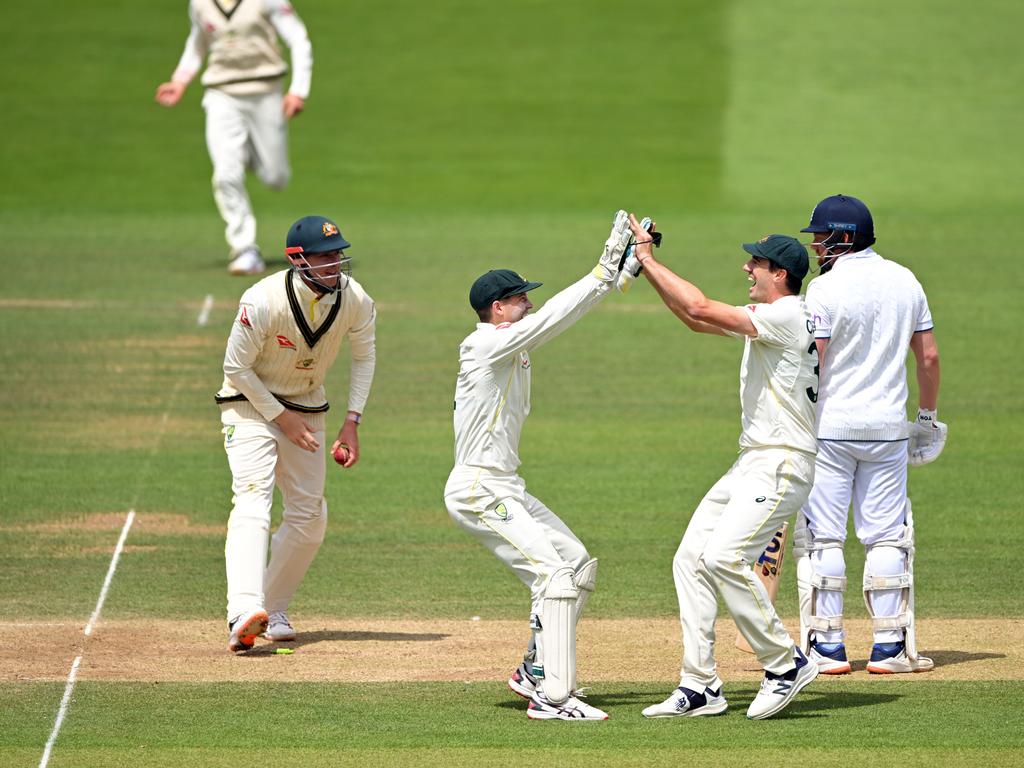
301, 296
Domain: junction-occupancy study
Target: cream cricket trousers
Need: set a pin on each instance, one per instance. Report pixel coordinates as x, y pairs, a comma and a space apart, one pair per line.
260, 457
244, 132
727, 533
529, 538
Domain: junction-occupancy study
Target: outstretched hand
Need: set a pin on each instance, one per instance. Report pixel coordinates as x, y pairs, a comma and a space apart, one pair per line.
169, 94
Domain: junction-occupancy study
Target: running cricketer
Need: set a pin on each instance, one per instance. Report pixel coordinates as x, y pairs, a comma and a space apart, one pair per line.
485, 495
769, 481
246, 112
868, 311
284, 340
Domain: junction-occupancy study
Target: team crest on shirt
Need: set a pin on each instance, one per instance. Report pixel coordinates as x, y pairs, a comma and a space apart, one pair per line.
284, 342
243, 317
306, 364
329, 229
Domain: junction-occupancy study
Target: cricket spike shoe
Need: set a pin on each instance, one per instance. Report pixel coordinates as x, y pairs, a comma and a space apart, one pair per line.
248, 262
686, 702
523, 683
892, 659
777, 691
830, 658
570, 709
280, 630
245, 629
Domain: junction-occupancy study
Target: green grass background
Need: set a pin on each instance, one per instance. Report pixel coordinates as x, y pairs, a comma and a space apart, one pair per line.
448, 138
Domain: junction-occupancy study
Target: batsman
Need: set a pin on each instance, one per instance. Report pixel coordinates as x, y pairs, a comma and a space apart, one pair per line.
485, 495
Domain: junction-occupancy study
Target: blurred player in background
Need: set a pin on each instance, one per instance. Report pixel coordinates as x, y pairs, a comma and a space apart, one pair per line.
768, 482
485, 495
284, 340
246, 112
867, 312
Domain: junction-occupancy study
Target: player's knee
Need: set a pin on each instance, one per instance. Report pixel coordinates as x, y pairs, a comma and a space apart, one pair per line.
718, 563
276, 179
309, 521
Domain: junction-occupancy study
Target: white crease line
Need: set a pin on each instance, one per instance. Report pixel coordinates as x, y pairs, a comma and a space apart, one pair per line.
204, 313
64, 702
73, 675
110, 572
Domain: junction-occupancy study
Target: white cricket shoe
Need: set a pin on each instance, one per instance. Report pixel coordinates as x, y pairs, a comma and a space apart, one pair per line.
280, 630
892, 659
245, 629
570, 709
248, 262
686, 702
777, 691
523, 683
830, 658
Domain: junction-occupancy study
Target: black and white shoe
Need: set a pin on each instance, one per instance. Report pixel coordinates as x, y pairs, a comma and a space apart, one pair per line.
523, 683
686, 702
570, 709
778, 690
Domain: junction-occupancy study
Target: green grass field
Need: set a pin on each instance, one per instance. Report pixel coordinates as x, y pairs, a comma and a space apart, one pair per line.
448, 138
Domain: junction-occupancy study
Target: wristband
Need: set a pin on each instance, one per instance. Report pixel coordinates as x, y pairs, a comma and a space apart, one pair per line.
354, 417
924, 415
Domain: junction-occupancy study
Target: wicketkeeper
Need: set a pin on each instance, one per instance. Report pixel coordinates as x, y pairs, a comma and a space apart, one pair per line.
485, 495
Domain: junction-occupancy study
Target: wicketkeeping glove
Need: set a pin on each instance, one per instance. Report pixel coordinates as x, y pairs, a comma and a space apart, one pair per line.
927, 439
614, 247
630, 266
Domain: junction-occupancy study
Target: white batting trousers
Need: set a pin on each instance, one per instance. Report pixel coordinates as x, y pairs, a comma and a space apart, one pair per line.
727, 533
260, 457
872, 477
244, 132
517, 527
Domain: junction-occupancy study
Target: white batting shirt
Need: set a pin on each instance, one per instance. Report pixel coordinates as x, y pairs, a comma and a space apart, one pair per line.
241, 40
492, 392
868, 308
778, 377
285, 339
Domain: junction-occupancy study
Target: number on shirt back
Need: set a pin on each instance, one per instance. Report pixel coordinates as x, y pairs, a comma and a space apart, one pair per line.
812, 392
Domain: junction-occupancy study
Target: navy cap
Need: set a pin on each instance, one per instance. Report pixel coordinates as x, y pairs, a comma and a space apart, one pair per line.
314, 234
783, 250
843, 213
496, 285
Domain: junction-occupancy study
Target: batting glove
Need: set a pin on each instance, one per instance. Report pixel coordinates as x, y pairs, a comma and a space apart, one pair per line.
614, 247
630, 266
927, 438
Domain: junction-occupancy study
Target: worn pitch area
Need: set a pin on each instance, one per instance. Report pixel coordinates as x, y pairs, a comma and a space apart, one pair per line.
380, 650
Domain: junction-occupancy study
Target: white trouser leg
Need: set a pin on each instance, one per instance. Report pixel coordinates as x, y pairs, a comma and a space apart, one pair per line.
252, 455
300, 476
879, 514
268, 140
517, 528
729, 530
227, 140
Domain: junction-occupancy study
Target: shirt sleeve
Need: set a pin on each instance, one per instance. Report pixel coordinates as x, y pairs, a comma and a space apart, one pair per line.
291, 29
820, 312
363, 350
558, 313
775, 323
245, 342
191, 60
924, 314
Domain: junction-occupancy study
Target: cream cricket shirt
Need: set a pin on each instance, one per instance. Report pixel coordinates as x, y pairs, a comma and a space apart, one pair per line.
283, 342
492, 393
240, 37
868, 309
778, 378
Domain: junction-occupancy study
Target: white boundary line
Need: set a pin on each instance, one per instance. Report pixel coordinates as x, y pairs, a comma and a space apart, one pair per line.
73, 675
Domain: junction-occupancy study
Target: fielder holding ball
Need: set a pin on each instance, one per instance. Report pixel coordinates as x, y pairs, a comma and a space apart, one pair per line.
284, 339
485, 495
246, 113
766, 485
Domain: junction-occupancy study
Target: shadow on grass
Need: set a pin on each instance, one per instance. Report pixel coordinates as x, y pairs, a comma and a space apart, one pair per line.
941, 658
